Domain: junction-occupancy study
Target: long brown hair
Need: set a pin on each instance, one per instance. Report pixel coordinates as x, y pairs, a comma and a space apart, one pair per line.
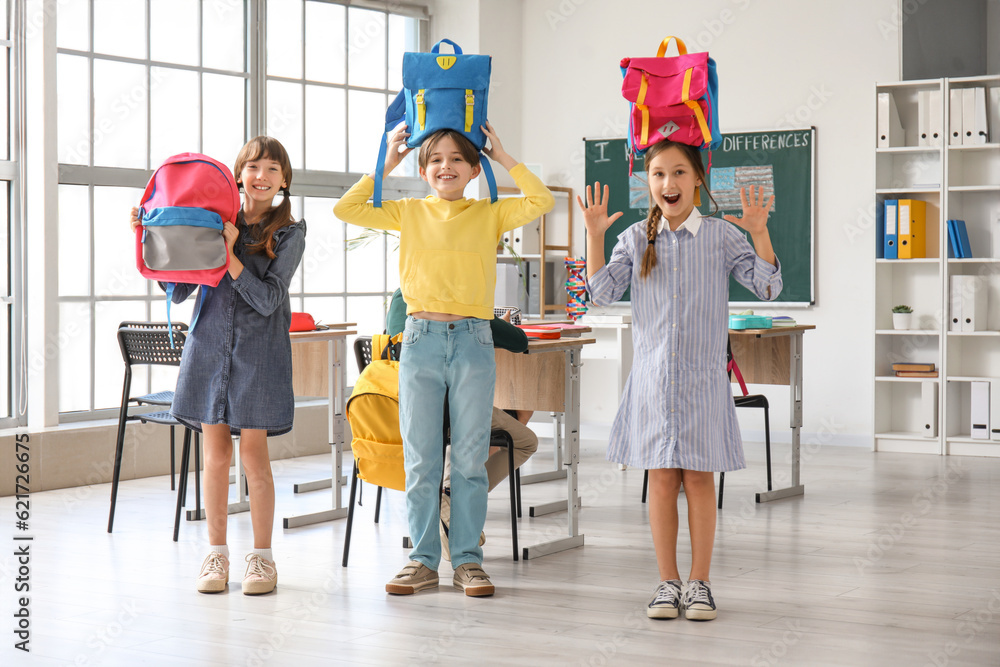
267, 148
693, 156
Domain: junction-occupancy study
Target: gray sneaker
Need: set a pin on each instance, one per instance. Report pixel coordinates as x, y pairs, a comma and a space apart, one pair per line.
446, 523
666, 600
697, 601
415, 576
471, 578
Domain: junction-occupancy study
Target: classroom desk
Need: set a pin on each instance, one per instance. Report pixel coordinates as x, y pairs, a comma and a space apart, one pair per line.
547, 377
558, 471
309, 375
774, 356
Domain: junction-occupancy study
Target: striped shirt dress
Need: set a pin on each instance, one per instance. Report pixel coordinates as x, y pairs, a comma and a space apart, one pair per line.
677, 406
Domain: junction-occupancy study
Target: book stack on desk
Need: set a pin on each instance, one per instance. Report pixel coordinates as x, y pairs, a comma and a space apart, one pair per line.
782, 321
914, 370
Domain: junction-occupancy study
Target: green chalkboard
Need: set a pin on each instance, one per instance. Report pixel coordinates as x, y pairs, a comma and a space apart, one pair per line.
782, 160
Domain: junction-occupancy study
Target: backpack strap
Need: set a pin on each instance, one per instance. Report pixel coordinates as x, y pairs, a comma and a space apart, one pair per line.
488, 173
170, 327
393, 116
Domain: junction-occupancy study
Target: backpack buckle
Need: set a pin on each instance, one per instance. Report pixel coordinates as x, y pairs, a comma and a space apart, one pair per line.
470, 104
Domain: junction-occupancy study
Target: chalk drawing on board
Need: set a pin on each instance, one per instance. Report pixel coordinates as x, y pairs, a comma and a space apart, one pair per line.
638, 191
727, 181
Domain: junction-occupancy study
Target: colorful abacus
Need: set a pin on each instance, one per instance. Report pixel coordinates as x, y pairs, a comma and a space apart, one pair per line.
575, 288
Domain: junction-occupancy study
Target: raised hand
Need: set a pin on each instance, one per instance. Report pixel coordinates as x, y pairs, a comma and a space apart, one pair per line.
495, 150
755, 211
397, 149
595, 211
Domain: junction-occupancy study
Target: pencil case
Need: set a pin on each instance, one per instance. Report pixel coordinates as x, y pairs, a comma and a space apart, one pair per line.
749, 322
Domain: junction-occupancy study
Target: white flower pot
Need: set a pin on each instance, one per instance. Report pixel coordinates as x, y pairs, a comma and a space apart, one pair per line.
902, 320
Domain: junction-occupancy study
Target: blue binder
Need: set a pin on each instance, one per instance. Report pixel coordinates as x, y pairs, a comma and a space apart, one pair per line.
890, 248
965, 250
954, 250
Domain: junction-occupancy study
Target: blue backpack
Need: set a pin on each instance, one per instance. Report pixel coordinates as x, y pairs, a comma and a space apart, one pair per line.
440, 92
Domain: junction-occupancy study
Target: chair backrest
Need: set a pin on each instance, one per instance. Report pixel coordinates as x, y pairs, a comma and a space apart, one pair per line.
363, 351
149, 343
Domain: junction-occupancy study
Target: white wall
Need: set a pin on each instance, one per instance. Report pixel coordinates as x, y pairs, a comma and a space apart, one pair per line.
781, 64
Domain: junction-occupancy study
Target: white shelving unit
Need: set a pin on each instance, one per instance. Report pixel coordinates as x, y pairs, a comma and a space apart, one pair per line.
957, 182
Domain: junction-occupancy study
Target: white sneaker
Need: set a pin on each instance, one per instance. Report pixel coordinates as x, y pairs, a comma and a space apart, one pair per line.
214, 573
261, 576
697, 601
666, 600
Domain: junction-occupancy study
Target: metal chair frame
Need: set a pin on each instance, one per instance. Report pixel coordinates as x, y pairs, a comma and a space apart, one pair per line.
148, 343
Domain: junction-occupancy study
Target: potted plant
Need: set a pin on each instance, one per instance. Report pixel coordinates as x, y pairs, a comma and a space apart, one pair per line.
902, 315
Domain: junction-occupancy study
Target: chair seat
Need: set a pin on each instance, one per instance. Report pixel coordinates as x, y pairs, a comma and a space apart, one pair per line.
156, 398
158, 418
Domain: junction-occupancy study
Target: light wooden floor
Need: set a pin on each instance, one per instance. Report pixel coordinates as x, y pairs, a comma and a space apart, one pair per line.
889, 559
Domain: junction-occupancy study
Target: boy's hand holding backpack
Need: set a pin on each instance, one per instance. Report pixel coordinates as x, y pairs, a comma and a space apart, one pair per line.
440, 91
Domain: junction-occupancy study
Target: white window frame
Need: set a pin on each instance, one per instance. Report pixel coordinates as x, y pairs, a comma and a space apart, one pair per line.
307, 183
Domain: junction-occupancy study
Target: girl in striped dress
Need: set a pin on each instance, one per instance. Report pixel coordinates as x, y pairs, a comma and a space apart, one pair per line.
677, 418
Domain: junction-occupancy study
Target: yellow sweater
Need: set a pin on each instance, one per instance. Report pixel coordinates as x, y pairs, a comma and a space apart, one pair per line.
448, 249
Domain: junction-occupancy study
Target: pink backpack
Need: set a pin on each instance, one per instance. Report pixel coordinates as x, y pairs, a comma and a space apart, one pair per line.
182, 212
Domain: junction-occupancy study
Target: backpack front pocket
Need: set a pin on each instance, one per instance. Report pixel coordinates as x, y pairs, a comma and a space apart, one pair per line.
178, 238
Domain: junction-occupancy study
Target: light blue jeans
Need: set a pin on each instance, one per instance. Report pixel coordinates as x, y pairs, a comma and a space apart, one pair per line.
456, 357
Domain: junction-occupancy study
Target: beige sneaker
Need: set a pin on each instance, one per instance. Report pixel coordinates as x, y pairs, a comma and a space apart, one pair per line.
261, 576
214, 573
415, 576
471, 578
446, 524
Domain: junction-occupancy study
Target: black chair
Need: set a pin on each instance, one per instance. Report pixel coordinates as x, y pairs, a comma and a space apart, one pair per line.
148, 343
747, 401
498, 438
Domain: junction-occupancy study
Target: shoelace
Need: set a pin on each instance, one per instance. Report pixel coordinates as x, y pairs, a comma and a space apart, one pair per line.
666, 594
215, 564
697, 592
258, 567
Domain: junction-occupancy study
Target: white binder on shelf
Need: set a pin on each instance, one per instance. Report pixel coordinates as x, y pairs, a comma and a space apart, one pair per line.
980, 410
995, 409
928, 408
981, 131
972, 295
890, 130
955, 304
923, 118
935, 122
955, 118
508, 281
974, 129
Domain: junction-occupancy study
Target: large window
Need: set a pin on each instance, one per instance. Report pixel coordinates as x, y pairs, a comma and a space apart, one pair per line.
331, 71
141, 80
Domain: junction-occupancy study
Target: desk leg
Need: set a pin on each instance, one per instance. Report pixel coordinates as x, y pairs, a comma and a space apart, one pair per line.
557, 455
572, 417
795, 412
337, 391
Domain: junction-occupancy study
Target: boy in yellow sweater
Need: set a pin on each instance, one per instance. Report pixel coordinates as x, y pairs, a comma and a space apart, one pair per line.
447, 269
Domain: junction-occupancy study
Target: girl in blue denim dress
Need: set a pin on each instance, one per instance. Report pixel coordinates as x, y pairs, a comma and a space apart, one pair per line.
236, 371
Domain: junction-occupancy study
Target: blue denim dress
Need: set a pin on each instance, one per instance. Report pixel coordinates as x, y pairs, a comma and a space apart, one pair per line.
237, 364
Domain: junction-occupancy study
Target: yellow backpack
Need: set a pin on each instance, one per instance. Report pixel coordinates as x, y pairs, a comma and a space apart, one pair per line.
373, 413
